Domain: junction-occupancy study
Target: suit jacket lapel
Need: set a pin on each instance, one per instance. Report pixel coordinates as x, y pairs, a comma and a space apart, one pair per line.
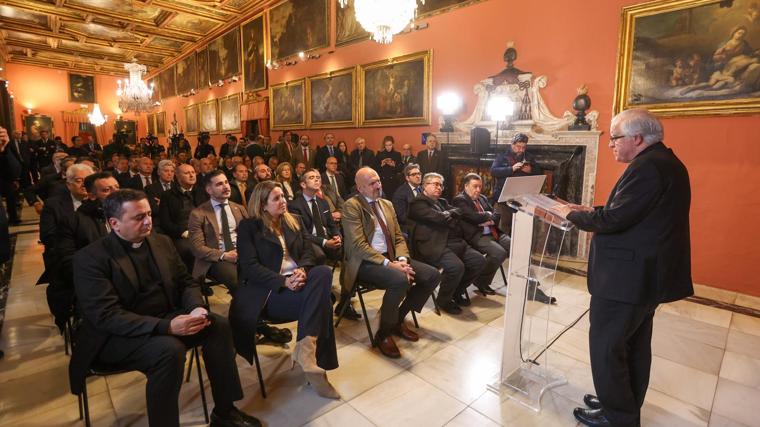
211, 217
121, 258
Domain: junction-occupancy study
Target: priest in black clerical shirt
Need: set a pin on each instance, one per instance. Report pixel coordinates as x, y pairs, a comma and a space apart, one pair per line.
142, 311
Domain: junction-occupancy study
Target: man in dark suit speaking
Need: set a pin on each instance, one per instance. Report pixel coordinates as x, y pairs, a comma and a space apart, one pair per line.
640, 257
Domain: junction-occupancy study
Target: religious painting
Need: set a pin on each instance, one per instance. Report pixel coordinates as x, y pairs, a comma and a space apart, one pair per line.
167, 84
128, 128
254, 62
191, 119
286, 105
686, 58
298, 25
208, 117
434, 7
396, 91
81, 88
33, 124
201, 60
229, 114
224, 56
161, 123
151, 124
184, 75
347, 28
330, 99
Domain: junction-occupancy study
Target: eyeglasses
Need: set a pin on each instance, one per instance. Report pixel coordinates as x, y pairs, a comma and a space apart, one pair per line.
415, 174
435, 184
616, 137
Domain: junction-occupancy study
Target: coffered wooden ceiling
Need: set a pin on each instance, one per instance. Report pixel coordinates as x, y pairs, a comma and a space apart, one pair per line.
99, 36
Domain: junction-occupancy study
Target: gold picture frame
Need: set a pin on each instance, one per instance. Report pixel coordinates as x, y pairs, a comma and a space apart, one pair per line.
161, 123
208, 116
82, 88
331, 99
151, 125
407, 101
436, 7
668, 62
287, 105
292, 21
192, 119
229, 114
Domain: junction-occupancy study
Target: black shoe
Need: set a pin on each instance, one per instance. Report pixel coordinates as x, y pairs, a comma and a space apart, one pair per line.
486, 290
234, 418
461, 301
350, 312
591, 417
592, 401
536, 294
449, 307
276, 335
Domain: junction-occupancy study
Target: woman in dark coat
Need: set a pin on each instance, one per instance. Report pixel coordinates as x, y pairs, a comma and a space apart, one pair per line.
389, 167
279, 281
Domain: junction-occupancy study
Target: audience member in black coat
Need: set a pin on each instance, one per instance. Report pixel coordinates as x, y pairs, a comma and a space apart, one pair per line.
116, 147
361, 156
406, 155
405, 193
10, 169
45, 147
24, 152
145, 175
231, 147
317, 219
77, 147
204, 148
151, 148
388, 166
328, 150
142, 311
334, 178
239, 185
516, 161
432, 159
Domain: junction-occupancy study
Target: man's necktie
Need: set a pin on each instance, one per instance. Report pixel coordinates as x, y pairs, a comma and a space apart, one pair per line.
330, 150
147, 180
418, 191
361, 158
241, 188
226, 233
334, 183
317, 218
494, 233
386, 233
305, 155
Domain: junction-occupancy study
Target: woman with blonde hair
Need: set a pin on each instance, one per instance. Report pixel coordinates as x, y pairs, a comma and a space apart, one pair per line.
279, 281
284, 175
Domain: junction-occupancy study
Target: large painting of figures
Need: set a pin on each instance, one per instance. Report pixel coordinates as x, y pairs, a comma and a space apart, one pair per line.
81, 88
298, 25
201, 61
229, 113
434, 7
286, 105
330, 99
347, 28
167, 83
224, 56
208, 116
191, 119
253, 44
185, 76
127, 127
699, 57
396, 91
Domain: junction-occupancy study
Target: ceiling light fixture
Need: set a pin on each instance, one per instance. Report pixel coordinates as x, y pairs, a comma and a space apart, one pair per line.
134, 95
384, 18
96, 117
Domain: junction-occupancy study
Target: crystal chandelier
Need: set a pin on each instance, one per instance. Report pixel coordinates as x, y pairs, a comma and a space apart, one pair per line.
134, 95
96, 117
384, 18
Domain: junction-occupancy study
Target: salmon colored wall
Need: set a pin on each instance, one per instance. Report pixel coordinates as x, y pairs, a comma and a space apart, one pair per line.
45, 91
572, 43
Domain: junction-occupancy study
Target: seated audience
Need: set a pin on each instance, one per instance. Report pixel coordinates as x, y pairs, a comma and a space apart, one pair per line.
284, 175
376, 253
317, 219
144, 178
334, 178
239, 185
405, 193
142, 311
279, 280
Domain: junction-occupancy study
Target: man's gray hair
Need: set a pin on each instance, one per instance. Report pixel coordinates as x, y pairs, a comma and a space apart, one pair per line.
430, 176
165, 164
77, 167
638, 121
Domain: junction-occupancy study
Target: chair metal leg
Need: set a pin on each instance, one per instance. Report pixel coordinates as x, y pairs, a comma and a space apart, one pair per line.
435, 303
258, 372
366, 319
86, 405
189, 368
66, 337
345, 306
81, 406
197, 358
414, 318
503, 275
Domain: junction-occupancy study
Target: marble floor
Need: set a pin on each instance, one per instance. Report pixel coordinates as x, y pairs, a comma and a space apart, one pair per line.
706, 368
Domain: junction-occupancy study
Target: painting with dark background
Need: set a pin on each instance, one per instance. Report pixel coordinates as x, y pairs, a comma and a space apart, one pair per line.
161, 123
151, 118
201, 59
128, 127
348, 28
185, 77
35, 123
331, 99
434, 7
229, 113
224, 56
298, 25
81, 88
166, 81
191, 119
254, 66
397, 92
208, 117
286, 105
709, 52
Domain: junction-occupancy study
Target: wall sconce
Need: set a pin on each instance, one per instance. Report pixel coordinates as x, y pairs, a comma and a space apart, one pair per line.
449, 103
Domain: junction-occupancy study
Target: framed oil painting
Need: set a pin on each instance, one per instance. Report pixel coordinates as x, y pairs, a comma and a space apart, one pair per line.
191, 119
35, 123
298, 25
686, 58
286, 105
396, 91
434, 7
81, 88
127, 127
224, 56
253, 44
229, 114
347, 28
161, 123
151, 124
167, 84
330, 99
201, 61
209, 120
185, 75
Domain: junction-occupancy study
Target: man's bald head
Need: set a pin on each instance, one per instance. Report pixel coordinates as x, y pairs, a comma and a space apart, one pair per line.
368, 183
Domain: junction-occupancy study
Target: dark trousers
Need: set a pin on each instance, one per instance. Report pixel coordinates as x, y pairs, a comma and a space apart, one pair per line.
224, 272
496, 252
620, 343
461, 264
398, 289
162, 359
11, 199
185, 250
312, 308
323, 254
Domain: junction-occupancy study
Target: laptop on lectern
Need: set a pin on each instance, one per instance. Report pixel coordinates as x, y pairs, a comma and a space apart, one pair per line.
520, 185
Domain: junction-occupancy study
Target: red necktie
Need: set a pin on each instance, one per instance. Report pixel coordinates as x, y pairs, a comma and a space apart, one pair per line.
306, 155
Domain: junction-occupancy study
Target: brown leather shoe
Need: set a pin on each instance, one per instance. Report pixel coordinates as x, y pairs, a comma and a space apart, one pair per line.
387, 346
404, 332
